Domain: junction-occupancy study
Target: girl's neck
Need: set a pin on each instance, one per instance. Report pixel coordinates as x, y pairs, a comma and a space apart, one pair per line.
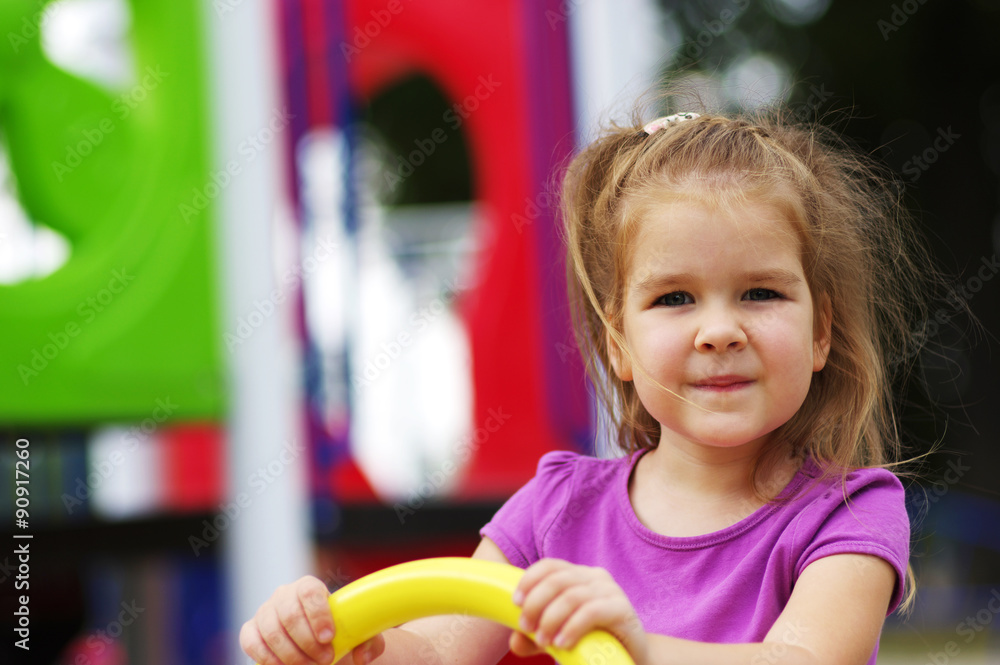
678, 492
702, 472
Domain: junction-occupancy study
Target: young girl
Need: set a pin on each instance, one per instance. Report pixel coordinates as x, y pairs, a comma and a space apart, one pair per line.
741, 287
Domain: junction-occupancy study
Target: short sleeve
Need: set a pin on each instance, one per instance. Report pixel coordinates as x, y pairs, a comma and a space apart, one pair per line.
519, 527
871, 520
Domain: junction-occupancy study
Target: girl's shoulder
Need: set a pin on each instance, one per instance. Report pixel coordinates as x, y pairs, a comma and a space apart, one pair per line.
866, 503
863, 497
580, 470
569, 459
546, 509
862, 512
821, 478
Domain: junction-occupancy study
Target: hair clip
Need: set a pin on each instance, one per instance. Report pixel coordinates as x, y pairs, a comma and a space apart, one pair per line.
666, 121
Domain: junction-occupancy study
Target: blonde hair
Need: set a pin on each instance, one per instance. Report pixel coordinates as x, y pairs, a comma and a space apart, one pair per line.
859, 254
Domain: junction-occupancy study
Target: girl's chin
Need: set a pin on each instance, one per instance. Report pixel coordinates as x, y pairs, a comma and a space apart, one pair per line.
721, 440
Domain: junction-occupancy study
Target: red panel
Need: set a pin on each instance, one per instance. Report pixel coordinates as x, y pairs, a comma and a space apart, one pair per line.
193, 468
350, 484
315, 44
470, 47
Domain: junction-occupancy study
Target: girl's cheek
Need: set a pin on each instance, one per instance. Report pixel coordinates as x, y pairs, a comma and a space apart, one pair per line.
667, 351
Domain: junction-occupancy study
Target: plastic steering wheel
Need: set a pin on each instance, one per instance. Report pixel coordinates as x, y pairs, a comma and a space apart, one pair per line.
430, 587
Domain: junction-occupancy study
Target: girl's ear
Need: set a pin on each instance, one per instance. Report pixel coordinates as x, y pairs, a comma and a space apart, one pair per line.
619, 360
822, 333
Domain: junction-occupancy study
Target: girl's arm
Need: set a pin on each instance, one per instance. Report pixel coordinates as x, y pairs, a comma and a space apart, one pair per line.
833, 617
294, 627
447, 640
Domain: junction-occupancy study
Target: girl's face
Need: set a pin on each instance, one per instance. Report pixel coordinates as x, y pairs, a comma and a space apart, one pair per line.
717, 309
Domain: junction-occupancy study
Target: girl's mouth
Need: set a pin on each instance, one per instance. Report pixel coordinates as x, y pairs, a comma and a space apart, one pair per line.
724, 384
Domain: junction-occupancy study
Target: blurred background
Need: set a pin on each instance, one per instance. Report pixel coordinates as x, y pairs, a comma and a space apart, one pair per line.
281, 290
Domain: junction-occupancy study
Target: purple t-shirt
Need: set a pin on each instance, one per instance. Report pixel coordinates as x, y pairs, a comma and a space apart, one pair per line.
725, 587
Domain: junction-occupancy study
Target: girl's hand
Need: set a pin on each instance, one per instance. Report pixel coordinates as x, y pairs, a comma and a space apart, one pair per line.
562, 602
294, 627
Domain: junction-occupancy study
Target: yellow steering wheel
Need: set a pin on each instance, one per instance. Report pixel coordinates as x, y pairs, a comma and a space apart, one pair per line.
452, 585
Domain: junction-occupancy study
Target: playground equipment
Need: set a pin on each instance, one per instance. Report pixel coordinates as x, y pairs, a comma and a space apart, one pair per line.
449, 585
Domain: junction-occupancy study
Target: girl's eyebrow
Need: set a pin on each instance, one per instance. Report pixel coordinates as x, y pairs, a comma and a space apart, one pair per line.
660, 281
779, 276
652, 281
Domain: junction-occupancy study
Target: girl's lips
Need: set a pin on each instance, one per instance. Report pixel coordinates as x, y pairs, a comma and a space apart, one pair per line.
724, 384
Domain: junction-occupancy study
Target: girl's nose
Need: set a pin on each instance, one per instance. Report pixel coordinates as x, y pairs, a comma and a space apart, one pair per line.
720, 330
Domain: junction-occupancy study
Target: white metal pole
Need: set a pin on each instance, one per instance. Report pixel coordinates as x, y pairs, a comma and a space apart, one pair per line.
266, 543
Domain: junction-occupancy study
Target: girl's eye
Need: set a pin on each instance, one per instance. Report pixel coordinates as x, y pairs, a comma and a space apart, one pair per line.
761, 294
675, 299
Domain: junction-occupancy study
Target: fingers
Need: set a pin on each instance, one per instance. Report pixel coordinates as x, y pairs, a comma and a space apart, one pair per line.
314, 599
293, 627
275, 646
551, 594
550, 623
562, 602
368, 651
603, 613
253, 645
541, 583
521, 645
536, 573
